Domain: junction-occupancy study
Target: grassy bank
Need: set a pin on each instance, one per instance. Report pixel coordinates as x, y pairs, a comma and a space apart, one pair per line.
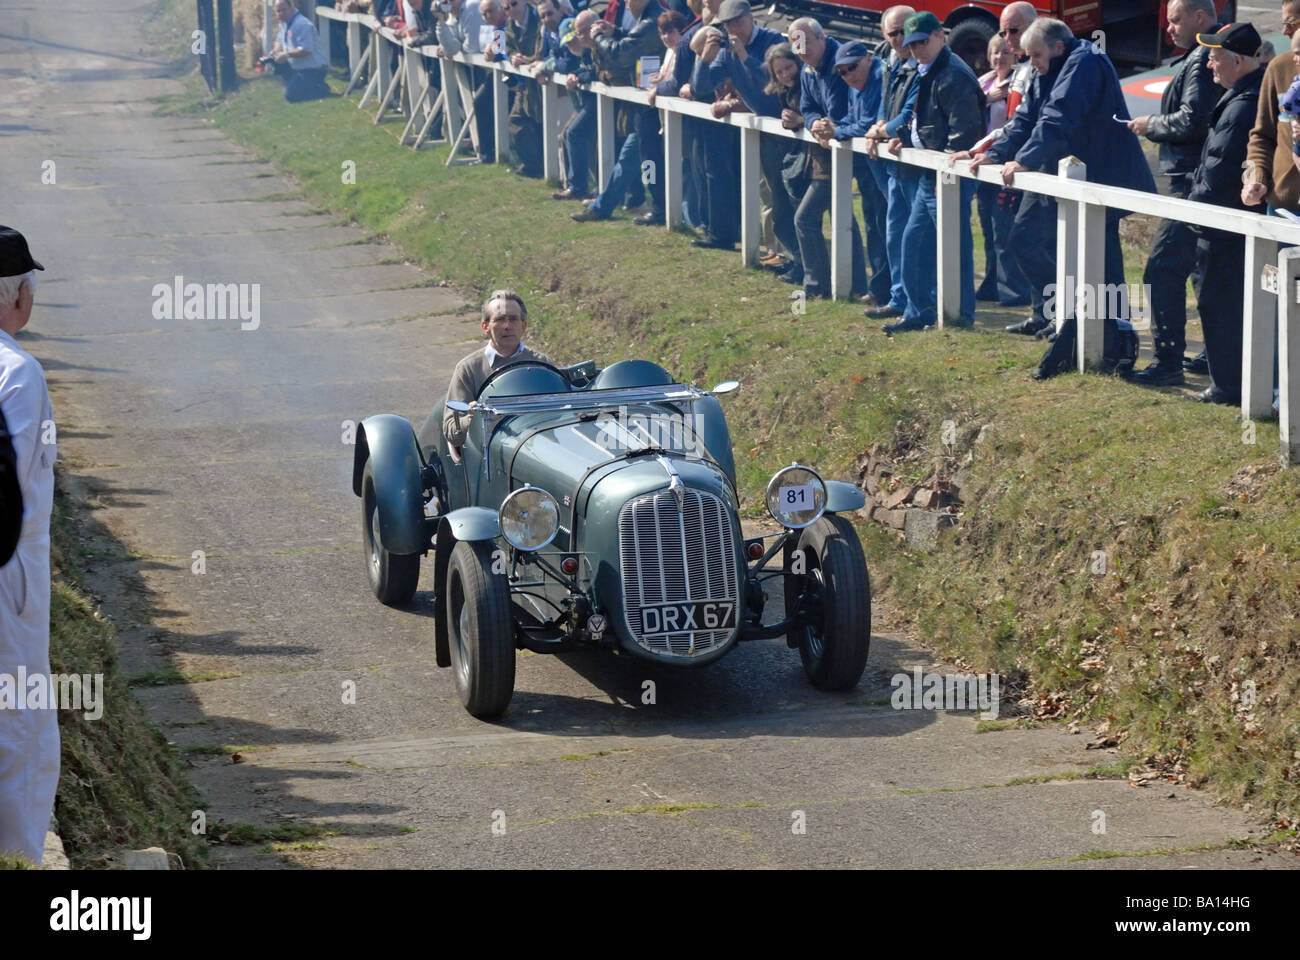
121, 787
1126, 557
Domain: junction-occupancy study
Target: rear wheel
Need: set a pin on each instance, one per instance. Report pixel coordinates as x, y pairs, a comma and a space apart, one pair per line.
836, 591
480, 630
970, 41
393, 576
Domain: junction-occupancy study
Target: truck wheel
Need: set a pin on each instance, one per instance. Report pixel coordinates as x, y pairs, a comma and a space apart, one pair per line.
393, 576
970, 41
833, 649
480, 630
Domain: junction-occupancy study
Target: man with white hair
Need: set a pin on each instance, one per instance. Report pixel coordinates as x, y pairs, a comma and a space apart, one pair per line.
1071, 110
29, 738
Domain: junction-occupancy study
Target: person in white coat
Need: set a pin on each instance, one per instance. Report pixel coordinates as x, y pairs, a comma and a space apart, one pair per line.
29, 738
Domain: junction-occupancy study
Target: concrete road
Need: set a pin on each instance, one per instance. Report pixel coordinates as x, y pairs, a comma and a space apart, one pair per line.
196, 435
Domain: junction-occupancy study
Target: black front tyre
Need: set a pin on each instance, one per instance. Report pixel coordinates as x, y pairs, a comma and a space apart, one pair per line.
836, 587
480, 630
393, 576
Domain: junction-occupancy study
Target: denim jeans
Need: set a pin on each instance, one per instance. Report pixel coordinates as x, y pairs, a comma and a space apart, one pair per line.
577, 148
812, 244
302, 85
902, 191
1003, 277
875, 209
920, 268
624, 179
718, 155
651, 143
772, 150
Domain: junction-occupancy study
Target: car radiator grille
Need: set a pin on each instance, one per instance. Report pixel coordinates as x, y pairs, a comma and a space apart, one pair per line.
673, 555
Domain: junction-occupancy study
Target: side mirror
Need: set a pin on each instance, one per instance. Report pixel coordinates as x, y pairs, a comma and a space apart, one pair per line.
460, 406
726, 386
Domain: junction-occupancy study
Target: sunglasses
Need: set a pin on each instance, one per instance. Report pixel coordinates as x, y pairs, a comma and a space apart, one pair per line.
1008, 31
894, 33
846, 68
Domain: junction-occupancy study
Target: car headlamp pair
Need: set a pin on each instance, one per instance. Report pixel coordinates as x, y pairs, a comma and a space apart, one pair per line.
530, 518
796, 497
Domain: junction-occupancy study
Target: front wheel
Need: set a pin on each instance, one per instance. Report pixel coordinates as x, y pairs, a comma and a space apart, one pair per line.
480, 630
836, 591
393, 576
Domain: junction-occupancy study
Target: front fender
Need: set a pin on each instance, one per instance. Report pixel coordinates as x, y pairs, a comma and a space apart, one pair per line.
388, 442
467, 523
841, 496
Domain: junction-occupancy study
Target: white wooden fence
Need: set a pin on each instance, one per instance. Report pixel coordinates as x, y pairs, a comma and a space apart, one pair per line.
1272, 276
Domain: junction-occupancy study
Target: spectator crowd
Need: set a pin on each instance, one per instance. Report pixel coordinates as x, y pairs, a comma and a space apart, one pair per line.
1048, 95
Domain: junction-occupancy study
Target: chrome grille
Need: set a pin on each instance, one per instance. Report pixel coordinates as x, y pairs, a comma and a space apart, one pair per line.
672, 555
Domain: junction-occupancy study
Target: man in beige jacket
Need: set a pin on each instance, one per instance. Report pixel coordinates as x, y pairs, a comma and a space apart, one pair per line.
505, 319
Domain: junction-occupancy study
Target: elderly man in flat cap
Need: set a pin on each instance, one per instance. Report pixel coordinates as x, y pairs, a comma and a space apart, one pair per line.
29, 738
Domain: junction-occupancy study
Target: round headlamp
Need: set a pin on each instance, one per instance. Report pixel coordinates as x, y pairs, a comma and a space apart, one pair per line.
796, 497
530, 518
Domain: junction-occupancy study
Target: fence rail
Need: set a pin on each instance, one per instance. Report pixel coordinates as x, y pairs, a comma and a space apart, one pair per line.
1271, 293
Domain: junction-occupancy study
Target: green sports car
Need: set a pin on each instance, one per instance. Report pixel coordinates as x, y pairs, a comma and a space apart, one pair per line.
599, 507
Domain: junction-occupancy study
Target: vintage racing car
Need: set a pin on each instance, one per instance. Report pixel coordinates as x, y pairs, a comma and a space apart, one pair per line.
599, 507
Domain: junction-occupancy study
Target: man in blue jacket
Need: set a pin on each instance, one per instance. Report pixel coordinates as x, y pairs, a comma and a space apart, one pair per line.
1070, 111
861, 70
822, 94
897, 99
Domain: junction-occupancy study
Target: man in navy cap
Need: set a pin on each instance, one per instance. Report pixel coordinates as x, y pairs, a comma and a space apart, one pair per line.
1220, 256
860, 68
29, 738
949, 116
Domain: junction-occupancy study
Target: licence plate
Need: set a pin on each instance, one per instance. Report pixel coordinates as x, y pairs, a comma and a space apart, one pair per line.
666, 618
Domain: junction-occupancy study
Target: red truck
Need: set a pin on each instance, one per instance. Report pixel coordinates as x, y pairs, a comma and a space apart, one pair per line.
1132, 31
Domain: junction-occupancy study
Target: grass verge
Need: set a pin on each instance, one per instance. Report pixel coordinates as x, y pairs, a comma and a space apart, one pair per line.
121, 785
1127, 557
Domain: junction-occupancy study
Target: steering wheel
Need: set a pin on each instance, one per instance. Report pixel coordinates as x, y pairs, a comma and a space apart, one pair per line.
512, 366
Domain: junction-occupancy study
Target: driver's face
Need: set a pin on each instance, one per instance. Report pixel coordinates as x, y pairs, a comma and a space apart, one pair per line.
506, 327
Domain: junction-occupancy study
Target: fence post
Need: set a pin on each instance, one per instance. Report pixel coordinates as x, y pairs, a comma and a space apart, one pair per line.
500, 114
672, 168
383, 65
841, 220
1288, 353
751, 230
1067, 241
268, 26
1089, 276
354, 46
1258, 331
451, 91
550, 132
947, 211
604, 138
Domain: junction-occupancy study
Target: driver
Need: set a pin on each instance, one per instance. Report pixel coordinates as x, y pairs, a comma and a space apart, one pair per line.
505, 318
